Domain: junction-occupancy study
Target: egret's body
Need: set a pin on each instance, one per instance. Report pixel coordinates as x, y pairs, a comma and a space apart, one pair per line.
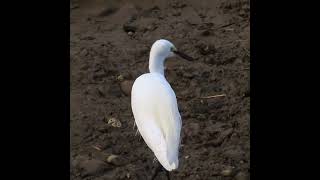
155, 108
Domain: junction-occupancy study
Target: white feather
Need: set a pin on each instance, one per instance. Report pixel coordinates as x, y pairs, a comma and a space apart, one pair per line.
157, 117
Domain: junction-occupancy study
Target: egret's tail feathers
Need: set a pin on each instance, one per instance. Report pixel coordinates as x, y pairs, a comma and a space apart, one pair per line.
172, 166
168, 164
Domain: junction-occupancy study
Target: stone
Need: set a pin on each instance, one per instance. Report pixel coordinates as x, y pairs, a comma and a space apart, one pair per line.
116, 160
114, 122
111, 158
227, 172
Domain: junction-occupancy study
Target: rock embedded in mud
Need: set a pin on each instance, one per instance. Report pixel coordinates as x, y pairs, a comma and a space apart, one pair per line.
84, 52
128, 175
114, 122
130, 33
120, 77
115, 160
227, 172
126, 86
92, 167
112, 158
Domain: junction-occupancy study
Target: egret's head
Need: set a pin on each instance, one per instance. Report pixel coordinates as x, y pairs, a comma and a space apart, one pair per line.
163, 48
166, 49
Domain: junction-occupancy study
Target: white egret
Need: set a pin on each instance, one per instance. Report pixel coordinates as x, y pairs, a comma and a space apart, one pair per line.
155, 109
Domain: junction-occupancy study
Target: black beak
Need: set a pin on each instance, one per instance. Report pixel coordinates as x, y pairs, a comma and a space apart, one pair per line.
184, 56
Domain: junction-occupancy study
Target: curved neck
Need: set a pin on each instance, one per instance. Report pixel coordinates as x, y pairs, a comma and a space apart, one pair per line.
156, 63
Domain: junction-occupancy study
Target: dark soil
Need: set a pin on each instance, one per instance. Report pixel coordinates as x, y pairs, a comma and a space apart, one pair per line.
110, 42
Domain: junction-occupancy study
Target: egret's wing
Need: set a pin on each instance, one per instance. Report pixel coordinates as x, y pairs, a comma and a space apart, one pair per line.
155, 109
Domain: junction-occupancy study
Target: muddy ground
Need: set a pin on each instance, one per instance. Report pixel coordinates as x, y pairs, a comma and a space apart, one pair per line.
109, 48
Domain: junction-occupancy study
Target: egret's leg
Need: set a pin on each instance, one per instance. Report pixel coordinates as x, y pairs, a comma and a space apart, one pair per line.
156, 171
168, 175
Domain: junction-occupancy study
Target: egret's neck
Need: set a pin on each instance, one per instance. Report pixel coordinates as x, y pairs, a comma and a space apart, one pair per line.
156, 63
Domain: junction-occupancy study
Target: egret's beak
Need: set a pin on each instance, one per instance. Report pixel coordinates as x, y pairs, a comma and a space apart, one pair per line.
183, 55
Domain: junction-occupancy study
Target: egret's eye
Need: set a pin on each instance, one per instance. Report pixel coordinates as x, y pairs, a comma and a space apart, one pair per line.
173, 49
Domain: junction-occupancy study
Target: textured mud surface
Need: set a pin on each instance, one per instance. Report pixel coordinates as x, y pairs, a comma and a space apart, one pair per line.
110, 43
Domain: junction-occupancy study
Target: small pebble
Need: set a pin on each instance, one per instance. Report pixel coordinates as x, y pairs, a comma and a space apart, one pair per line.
111, 158
84, 52
227, 172
116, 160
114, 122
130, 33
120, 77
128, 175
97, 147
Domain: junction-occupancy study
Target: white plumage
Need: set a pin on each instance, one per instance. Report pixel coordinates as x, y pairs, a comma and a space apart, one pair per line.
155, 109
